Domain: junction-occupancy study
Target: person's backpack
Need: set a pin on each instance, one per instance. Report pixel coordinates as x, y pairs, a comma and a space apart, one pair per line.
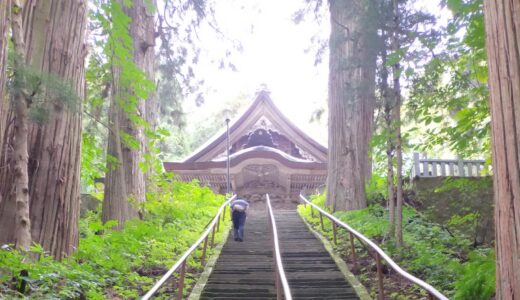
239, 207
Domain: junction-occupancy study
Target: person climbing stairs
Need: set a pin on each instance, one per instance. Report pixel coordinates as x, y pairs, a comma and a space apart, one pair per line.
244, 270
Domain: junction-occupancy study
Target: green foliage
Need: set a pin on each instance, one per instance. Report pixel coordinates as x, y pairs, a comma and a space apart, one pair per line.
92, 164
476, 277
118, 264
463, 205
449, 99
376, 190
44, 91
430, 253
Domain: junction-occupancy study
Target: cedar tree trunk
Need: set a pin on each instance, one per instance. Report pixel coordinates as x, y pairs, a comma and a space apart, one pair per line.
396, 70
125, 181
351, 101
54, 37
503, 46
5, 9
388, 114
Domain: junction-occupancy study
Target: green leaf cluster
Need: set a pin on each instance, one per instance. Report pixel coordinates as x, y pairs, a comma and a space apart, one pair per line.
118, 264
448, 100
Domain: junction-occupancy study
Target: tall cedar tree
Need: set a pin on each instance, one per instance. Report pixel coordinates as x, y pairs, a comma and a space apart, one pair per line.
351, 101
396, 72
388, 104
4, 22
503, 46
21, 229
125, 181
54, 145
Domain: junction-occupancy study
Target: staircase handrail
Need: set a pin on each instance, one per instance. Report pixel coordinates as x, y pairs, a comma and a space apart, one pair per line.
181, 262
433, 292
279, 270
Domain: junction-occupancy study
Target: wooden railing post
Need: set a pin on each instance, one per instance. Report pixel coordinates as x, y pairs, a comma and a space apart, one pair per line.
218, 224
381, 294
334, 229
353, 250
321, 222
203, 258
212, 237
181, 280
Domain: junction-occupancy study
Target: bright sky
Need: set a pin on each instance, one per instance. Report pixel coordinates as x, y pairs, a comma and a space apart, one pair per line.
274, 54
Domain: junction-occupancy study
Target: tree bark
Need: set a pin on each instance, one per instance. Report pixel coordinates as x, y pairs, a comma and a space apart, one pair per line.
503, 46
351, 100
22, 226
5, 9
396, 70
120, 202
152, 103
54, 147
388, 115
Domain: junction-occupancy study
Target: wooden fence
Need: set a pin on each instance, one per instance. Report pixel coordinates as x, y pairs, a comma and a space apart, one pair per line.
429, 167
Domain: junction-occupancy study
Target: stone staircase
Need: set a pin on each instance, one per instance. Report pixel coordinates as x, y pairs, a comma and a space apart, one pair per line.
311, 272
244, 270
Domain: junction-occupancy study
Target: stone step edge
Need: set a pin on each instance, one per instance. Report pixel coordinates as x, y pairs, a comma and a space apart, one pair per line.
197, 290
351, 278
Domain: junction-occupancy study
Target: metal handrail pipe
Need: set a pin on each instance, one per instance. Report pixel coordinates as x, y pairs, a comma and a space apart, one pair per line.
433, 291
188, 252
278, 256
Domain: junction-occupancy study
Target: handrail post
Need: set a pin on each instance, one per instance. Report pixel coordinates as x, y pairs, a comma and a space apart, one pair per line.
277, 284
218, 223
203, 258
334, 229
212, 237
321, 221
353, 250
381, 294
181, 280
312, 212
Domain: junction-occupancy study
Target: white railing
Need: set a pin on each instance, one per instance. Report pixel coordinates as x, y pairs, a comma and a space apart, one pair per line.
283, 290
180, 265
373, 249
428, 167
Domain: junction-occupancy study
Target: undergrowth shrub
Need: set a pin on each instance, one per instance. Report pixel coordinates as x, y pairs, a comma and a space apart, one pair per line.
118, 264
446, 261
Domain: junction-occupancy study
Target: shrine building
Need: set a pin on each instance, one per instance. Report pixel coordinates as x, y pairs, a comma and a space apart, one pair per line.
268, 154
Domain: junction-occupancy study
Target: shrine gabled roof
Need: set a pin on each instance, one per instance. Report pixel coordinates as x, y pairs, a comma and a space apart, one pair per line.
256, 152
261, 108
